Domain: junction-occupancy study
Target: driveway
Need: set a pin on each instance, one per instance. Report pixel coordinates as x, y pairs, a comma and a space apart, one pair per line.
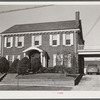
88, 83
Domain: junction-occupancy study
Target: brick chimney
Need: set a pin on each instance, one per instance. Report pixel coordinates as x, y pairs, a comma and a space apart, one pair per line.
77, 15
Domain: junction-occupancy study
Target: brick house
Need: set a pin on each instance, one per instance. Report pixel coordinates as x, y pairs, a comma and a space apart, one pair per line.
43, 40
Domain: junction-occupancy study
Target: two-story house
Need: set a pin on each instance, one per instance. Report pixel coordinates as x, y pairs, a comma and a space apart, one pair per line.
43, 40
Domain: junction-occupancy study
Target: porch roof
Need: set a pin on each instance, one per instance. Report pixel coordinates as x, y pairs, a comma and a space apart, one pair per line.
33, 48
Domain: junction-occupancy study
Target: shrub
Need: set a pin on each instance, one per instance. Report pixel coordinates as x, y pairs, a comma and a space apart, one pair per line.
23, 66
35, 64
4, 65
14, 65
59, 69
50, 70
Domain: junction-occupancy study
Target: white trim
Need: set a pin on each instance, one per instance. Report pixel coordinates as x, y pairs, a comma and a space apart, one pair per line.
16, 41
7, 57
33, 48
40, 32
32, 40
13, 58
40, 41
11, 45
24, 54
71, 38
54, 59
58, 39
64, 39
18, 57
5, 41
50, 40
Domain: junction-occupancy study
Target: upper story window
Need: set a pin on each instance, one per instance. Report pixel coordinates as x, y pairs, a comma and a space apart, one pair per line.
37, 40
19, 41
8, 42
68, 39
54, 39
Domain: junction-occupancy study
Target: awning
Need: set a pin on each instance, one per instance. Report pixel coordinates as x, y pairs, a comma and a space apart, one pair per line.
32, 48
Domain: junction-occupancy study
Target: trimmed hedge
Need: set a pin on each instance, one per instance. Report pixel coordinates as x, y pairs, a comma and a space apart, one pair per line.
14, 66
4, 65
24, 66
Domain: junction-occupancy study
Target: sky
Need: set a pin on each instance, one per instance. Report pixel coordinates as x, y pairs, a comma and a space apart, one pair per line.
89, 15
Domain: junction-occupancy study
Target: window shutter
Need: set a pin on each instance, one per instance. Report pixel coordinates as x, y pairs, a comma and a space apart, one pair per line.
50, 39
12, 58
40, 40
58, 39
16, 41
22, 41
11, 41
64, 39
54, 59
32, 40
71, 38
5, 43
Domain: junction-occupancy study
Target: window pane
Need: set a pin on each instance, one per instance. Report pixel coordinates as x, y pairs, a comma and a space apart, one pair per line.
9, 39
54, 42
67, 36
36, 42
19, 43
67, 42
8, 44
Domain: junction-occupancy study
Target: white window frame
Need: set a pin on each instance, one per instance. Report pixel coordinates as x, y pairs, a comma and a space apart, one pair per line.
71, 39
51, 40
19, 57
16, 41
33, 40
6, 40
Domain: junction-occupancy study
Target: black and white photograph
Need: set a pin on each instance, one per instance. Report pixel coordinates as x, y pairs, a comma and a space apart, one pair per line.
50, 46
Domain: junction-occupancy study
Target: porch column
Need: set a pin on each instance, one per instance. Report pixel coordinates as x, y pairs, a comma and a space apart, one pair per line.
24, 54
41, 57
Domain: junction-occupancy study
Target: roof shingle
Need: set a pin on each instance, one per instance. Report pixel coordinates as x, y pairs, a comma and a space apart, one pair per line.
60, 25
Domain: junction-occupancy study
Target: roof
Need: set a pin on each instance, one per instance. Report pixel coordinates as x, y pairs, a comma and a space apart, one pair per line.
60, 25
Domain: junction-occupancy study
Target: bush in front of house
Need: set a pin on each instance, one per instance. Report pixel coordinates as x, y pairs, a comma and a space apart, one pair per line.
14, 66
35, 64
59, 69
4, 65
24, 66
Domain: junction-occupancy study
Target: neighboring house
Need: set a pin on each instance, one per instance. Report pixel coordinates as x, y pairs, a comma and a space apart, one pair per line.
43, 40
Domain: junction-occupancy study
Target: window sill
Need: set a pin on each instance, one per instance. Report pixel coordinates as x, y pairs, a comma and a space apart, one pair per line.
54, 45
8, 47
20, 47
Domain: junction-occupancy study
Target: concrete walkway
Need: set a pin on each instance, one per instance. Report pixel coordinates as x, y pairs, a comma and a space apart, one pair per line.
88, 83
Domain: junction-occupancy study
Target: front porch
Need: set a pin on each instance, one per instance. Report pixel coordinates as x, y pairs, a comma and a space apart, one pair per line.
37, 52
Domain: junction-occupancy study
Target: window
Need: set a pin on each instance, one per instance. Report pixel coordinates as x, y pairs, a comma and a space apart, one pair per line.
57, 59
37, 40
67, 39
8, 42
55, 39
19, 41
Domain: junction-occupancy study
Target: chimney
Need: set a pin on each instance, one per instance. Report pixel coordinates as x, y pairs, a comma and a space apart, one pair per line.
77, 15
